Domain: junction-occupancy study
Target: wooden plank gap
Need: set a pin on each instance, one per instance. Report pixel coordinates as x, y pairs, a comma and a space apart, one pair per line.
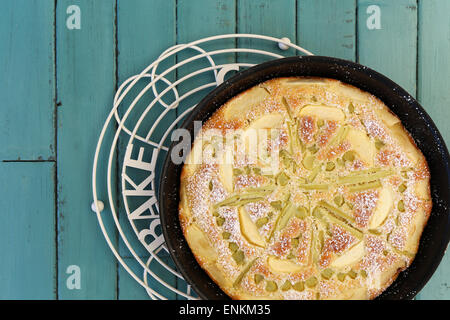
356, 32
55, 140
19, 160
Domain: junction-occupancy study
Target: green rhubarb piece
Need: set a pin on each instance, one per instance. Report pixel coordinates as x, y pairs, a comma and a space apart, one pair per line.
291, 256
339, 200
379, 144
237, 172
301, 212
336, 211
287, 213
277, 204
286, 285
308, 162
220, 221
286, 105
349, 156
282, 179
258, 278
241, 276
311, 186
365, 186
299, 286
401, 206
314, 174
341, 276
352, 274
313, 149
271, 286
233, 247
239, 256
330, 166
351, 108
365, 175
311, 282
327, 273
261, 221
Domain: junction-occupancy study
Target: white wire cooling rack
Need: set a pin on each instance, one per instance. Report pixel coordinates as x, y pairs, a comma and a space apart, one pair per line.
134, 141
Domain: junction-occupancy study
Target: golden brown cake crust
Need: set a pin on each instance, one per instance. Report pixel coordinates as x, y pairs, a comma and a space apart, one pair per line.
339, 216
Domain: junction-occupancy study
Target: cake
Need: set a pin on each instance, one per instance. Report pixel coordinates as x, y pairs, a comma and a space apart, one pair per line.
304, 188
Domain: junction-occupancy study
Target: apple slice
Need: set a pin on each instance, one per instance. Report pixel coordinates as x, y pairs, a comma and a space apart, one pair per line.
283, 266
354, 254
255, 137
226, 170
352, 93
258, 131
323, 112
195, 157
249, 229
268, 121
200, 244
384, 205
242, 104
226, 176
362, 145
405, 141
388, 118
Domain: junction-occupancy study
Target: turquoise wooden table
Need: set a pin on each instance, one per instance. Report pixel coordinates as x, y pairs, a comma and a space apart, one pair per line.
60, 66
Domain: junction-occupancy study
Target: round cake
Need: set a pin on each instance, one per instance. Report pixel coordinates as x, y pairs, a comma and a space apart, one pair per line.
304, 188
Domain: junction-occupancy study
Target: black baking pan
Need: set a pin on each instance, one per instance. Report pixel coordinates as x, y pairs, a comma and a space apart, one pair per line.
436, 234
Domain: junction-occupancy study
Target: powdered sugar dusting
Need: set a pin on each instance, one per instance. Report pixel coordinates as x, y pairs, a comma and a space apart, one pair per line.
384, 247
365, 203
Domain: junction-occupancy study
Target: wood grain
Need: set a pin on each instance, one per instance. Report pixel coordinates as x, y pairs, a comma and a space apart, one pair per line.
145, 30
433, 94
86, 73
265, 17
143, 34
327, 27
199, 19
130, 290
27, 80
28, 265
391, 50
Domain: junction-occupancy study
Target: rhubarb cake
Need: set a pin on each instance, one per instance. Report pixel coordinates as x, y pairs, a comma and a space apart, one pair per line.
304, 188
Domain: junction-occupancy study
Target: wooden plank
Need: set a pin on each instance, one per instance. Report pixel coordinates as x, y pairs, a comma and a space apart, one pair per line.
129, 289
266, 17
28, 267
327, 27
203, 18
196, 20
434, 65
138, 22
145, 30
433, 88
27, 84
86, 73
392, 49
